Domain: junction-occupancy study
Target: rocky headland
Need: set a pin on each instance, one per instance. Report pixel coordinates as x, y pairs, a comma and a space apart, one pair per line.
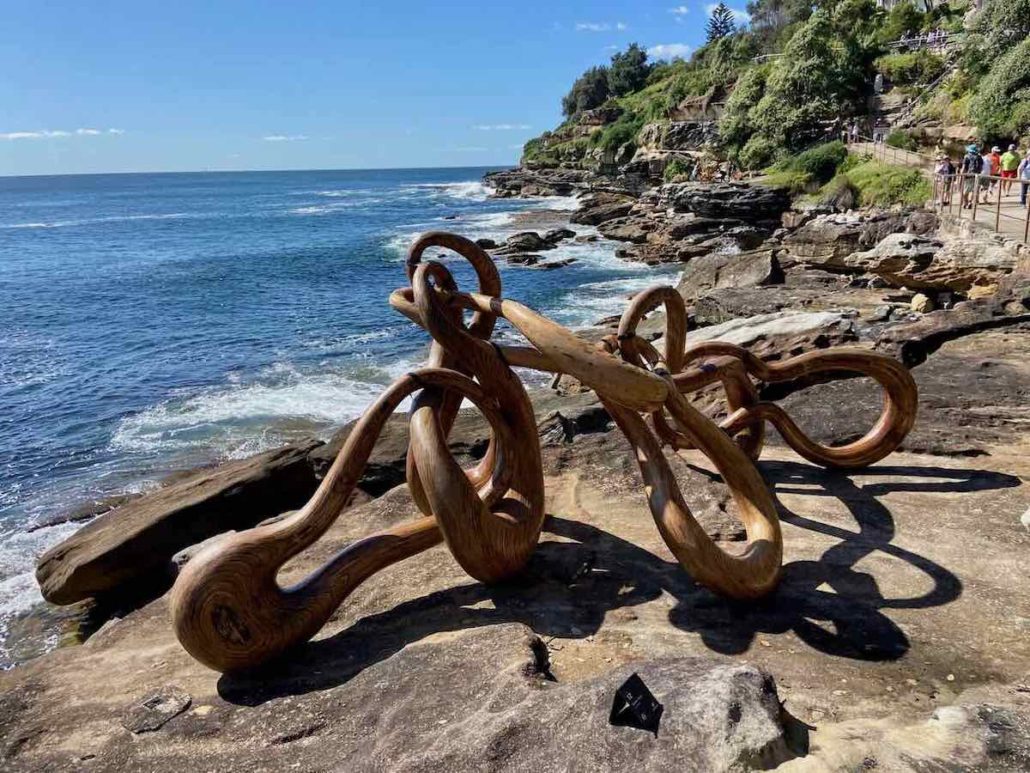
899, 638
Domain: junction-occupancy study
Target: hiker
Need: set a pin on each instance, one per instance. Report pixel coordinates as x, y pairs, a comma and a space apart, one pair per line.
945, 172
1009, 164
854, 131
880, 132
1024, 179
991, 169
972, 165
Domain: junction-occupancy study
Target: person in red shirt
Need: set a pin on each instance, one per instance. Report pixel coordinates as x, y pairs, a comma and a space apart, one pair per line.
995, 161
992, 169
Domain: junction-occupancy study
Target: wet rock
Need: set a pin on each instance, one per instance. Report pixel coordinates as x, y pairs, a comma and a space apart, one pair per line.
524, 259
154, 711
527, 241
553, 264
556, 235
634, 229
725, 200
599, 208
133, 544
523, 182
747, 269
487, 244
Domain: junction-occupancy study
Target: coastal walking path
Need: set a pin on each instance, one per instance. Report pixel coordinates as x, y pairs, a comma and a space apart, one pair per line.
1002, 213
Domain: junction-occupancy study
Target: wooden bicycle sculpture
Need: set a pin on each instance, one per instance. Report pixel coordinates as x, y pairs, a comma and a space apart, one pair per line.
230, 612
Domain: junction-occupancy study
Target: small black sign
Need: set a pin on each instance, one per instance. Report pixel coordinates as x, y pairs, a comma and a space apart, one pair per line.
635, 706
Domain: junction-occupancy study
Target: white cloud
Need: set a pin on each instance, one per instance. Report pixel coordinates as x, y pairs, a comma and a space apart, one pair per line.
501, 127
44, 134
739, 16
284, 137
679, 10
669, 51
604, 26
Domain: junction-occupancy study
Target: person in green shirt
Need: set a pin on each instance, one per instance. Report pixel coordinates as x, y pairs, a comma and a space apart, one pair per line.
1009, 165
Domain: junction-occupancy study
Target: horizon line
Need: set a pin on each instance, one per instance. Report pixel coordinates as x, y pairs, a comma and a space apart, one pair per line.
256, 171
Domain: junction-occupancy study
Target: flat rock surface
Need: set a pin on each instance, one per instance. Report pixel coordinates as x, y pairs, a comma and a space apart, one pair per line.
902, 614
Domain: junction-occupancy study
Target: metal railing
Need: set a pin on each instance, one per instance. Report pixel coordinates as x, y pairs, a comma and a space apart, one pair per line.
881, 151
976, 193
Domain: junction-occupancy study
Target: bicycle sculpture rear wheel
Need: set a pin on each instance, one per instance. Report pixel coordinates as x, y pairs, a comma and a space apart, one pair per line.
228, 608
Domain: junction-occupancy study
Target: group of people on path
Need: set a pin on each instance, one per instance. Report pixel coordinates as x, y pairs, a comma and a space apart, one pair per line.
984, 175
935, 39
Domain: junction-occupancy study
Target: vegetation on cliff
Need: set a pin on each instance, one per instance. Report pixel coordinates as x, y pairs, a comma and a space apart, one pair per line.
771, 89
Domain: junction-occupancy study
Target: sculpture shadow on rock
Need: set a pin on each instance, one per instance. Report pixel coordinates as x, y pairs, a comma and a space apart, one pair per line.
569, 586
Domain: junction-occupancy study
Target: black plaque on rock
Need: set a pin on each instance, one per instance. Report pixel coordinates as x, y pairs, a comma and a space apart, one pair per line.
635, 706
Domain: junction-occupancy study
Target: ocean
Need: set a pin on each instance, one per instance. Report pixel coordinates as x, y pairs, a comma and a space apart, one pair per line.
155, 322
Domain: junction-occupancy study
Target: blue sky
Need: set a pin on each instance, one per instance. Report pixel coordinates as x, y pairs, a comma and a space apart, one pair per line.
184, 85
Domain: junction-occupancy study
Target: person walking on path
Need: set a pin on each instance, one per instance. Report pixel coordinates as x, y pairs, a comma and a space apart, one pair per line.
945, 173
972, 165
991, 168
1009, 165
1024, 178
854, 131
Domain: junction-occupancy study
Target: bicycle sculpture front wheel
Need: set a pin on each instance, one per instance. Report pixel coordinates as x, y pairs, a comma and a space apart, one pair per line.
228, 607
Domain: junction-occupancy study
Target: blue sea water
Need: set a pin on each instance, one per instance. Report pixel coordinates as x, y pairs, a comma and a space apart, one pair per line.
152, 322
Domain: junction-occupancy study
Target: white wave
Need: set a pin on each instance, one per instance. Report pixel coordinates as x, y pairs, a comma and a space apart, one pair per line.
344, 193
18, 589
336, 206
238, 419
472, 190
97, 220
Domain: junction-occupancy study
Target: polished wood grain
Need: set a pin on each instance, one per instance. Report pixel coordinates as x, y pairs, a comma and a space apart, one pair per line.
229, 609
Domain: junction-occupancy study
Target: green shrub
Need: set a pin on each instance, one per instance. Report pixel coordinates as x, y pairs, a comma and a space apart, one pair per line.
914, 67
675, 169
820, 163
901, 139
793, 181
882, 185
758, 153
998, 103
617, 134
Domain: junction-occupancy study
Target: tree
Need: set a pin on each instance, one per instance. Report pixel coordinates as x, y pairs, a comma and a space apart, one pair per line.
721, 23
589, 91
628, 71
1002, 25
1001, 103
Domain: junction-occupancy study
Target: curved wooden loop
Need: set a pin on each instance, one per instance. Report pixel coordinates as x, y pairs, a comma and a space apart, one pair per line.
633, 347
740, 391
900, 399
753, 571
228, 609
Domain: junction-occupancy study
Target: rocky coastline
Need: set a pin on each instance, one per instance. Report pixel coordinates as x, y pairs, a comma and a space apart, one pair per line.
895, 641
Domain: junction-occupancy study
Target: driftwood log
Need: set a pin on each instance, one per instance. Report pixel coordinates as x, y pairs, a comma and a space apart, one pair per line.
230, 612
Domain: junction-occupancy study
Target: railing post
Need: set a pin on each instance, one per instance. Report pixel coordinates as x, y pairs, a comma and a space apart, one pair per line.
997, 213
1026, 228
976, 194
